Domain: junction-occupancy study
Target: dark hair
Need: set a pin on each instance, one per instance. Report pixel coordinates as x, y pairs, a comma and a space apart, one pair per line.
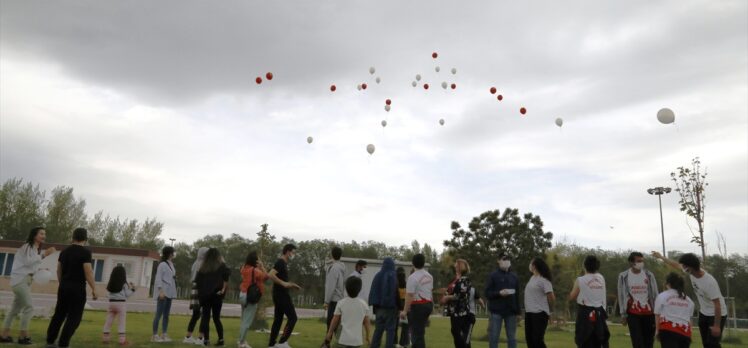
212, 261
591, 264
251, 259
634, 255
166, 253
676, 283
361, 263
505, 256
690, 260
117, 279
419, 261
287, 248
542, 268
353, 286
80, 234
336, 253
32, 235
401, 281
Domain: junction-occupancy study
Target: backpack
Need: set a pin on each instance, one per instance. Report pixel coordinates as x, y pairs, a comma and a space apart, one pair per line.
253, 292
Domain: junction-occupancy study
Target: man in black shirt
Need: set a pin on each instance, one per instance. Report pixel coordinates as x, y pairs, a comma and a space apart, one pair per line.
74, 270
282, 299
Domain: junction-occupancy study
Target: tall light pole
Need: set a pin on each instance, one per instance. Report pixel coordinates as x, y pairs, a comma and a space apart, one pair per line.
659, 191
172, 241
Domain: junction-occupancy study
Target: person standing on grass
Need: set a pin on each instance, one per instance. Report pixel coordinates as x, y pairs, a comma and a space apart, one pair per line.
212, 281
282, 298
418, 301
404, 338
164, 290
384, 297
673, 310
539, 299
591, 330
460, 305
74, 270
194, 300
25, 263
119, 290
502, 292
253, 274
637, 290
334, 283
351, 316
712, 308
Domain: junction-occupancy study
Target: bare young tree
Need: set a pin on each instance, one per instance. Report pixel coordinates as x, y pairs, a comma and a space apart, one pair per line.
690, 183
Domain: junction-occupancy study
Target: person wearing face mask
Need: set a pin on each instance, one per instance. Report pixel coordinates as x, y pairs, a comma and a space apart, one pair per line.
282, 298
502, 290
637, 291
712, 308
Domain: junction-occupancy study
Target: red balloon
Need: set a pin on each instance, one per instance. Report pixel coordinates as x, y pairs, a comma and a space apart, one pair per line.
269, 76
500, 97
493, 90
363, 86
388, 102
453, 86
258, 80
522, 110
425, 86
434, 55
333, 88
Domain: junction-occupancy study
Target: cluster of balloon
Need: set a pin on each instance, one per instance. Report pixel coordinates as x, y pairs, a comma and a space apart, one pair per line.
309, 140
559, 122
370, 149
493, 90
268, 76
665, 116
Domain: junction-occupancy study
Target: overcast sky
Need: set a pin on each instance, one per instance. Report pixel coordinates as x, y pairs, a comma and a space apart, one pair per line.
150, 109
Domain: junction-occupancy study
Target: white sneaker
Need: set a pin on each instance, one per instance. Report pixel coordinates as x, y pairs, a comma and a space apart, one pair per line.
188, 340
156, 338
282, 345
243, 345
198, 342
165, 338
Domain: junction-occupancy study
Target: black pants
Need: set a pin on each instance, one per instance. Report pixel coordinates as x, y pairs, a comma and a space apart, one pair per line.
462, 330
330, 312
705, 322
589, 333
669, 339
193, 319
211, 305
535, 325
283, 306
417, 318
642, 330
403, 337
71, 299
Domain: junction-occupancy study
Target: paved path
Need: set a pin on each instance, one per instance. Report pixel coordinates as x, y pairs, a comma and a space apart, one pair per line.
44, 306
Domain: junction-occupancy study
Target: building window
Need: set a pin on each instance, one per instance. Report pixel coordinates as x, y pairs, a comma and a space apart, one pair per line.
98, 269
6, 263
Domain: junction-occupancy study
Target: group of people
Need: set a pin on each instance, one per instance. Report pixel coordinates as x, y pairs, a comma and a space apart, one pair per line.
397, 300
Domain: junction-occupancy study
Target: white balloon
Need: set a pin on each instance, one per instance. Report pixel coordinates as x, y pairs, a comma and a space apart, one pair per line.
441, 122
384, 123
370, 148
444, 85
454, 71
414, 83
666, 116
378, 79
437, 68
559, 121
418, 77
42, 276
387, 108
309, 140
358, 87
372, 70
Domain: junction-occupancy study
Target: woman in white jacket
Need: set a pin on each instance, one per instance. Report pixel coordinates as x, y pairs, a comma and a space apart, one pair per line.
25, 264
164, 290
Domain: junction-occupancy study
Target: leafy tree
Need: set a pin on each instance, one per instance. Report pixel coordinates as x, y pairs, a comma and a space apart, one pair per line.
690, 183
21, 208
64, 214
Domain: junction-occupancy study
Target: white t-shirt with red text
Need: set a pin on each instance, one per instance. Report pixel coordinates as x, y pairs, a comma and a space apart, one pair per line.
638, 302
675, 312
591, 290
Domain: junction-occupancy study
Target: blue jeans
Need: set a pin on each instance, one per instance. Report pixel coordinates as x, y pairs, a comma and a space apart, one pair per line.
494, 330
163, 307
386, 321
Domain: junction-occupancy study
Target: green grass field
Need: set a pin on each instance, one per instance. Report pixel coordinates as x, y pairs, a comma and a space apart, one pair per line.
310, 335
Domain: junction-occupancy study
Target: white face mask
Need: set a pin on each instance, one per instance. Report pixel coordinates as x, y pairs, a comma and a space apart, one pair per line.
639, 266
685, 269
505, 264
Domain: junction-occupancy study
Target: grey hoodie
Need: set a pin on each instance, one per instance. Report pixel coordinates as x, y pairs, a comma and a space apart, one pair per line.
335, 282
199, 262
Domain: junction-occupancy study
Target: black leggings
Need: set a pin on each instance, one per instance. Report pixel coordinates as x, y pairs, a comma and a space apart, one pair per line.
669, 339
210, 305
193, 319
283, 306
71, 299
535, 325
462, 330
